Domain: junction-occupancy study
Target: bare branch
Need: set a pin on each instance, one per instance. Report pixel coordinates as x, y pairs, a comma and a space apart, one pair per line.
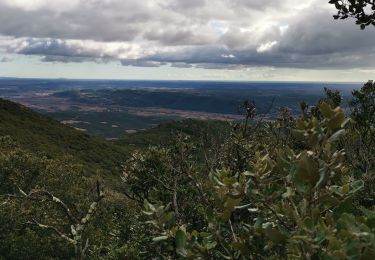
85, 247
54, 229
232, 230
55, 200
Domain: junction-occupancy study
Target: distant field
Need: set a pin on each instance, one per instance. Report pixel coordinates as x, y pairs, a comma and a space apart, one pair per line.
113, 108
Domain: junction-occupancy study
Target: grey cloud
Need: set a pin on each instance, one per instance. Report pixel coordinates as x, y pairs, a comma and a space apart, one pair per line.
56, 50
122, 20
211, 34
95, 22
181, 65
69, 59
51, 47
327, 38
173, 36
257, 4
183, 4
53, 50
142, 63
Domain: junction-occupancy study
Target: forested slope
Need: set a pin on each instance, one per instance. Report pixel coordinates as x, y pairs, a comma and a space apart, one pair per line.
41, 134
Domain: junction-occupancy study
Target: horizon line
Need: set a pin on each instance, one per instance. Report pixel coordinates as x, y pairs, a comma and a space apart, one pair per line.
184, 80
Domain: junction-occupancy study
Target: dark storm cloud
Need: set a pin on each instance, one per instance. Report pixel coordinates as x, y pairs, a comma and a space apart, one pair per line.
197, 33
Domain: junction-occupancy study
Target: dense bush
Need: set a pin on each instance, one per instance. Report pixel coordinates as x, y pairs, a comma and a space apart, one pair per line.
303, 198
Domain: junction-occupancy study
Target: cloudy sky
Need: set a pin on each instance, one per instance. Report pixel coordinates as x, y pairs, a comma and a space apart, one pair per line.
289, 40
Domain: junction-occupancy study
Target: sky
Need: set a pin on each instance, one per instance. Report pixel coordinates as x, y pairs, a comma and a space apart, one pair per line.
246, 40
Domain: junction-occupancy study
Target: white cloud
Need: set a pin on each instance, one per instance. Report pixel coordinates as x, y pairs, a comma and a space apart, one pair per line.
32, 5
228, 56
266, 46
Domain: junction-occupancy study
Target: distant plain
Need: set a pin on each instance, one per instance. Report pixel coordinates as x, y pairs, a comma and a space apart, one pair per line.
112, 109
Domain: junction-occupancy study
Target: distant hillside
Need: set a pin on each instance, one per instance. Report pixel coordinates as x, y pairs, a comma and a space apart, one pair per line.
41, 134
164, 133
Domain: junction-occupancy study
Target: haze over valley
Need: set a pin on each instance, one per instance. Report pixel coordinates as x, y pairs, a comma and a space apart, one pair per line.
112, 109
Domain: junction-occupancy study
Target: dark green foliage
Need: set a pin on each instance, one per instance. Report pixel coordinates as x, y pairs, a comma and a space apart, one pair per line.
290, 188
363, 106
48, 137
363, 11
284, 205
113, 230
290, 191
22, 170
164, 134
360, 145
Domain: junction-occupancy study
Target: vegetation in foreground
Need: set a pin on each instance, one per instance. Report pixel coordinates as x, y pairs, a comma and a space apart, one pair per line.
291, 188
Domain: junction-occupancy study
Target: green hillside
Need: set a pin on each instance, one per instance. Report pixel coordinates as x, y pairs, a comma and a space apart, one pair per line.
43, 135
165, 133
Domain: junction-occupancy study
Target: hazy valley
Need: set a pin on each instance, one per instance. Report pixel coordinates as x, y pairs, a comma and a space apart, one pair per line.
112, 109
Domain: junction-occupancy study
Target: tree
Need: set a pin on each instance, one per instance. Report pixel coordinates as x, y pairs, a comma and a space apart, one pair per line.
361, 10
47, 206
363, 106
77, 224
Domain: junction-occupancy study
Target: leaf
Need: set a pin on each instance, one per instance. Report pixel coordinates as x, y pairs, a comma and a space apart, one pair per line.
326, 110
357, 186
180, 239
345, 206
149, 207
308, 223
274, 234
336, 121
336, 136
159, 239
323, 178
289, 192
180, 242
345, 189
229, 207
307, 170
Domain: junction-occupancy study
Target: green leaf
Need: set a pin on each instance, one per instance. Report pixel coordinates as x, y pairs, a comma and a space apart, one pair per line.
336, 136
323, 178
326, 110
308, 223
357, 186
337, 120
149, 207
180, 241
159, 239
289, 192
274, 234
345, 189
229, 207
345, 206
307, 170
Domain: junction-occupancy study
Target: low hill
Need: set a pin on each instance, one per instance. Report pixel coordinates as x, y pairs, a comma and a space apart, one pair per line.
164, 134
